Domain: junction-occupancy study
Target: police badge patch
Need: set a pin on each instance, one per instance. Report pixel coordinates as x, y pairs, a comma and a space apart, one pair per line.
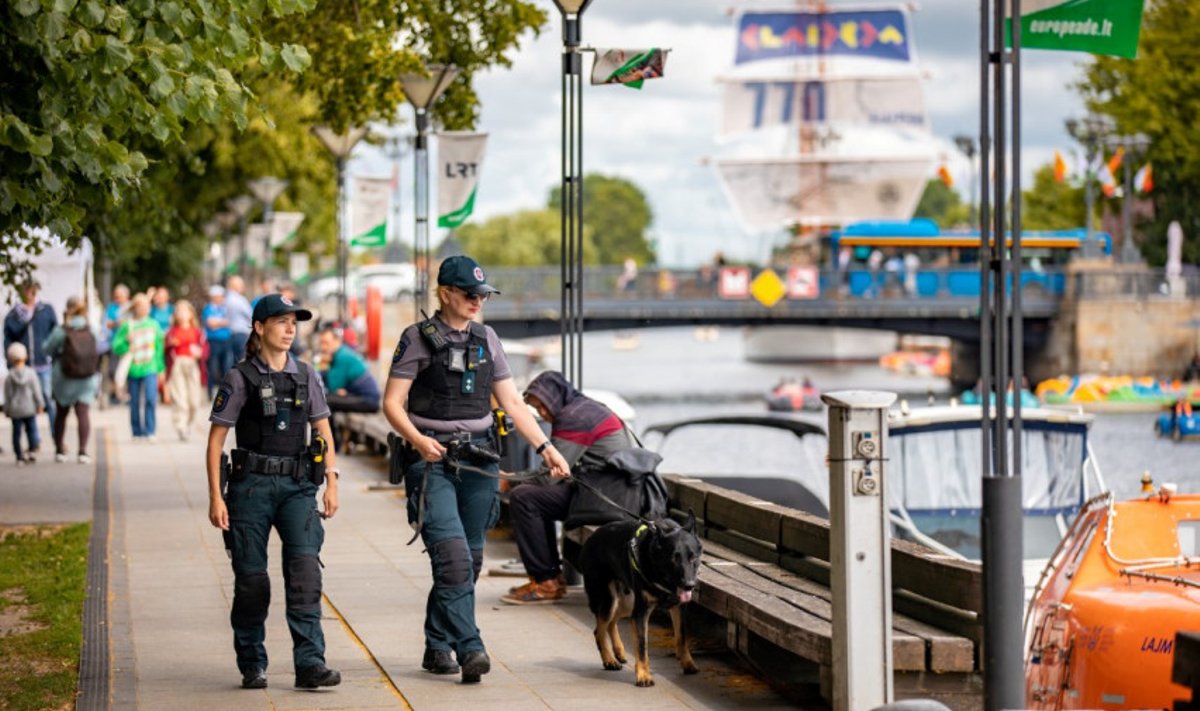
400, 348
221, 400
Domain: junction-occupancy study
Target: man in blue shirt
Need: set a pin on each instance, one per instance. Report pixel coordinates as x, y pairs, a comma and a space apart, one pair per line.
349, 385
215, 318
239, 310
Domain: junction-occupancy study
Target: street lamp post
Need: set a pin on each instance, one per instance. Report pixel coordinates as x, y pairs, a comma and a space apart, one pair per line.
966, 144
394, 149
422, 90
1134, 145
226, 221
1089, 131
340, 146
571, 325
267, 189
240, 206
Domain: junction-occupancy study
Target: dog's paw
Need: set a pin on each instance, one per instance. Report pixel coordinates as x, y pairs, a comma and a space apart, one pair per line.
648, 681
613, 665
621, 658
691, 669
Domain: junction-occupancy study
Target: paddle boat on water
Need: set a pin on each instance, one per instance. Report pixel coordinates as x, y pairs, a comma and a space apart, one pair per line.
1101, 630
1177, 421
791, 395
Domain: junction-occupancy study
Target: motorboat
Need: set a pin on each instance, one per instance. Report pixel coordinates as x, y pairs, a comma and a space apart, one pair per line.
1124, 580
935, 478
775, 456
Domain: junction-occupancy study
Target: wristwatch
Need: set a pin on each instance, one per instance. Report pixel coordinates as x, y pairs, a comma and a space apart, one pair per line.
542, 447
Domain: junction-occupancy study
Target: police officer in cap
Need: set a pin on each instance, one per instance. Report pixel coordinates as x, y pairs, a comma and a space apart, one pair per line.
445, 372
274, 473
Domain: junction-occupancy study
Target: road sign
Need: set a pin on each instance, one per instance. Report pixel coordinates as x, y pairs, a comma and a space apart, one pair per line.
734, 282
803, 283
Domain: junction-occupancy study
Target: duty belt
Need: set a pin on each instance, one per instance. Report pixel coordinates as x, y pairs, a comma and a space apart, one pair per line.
272, 466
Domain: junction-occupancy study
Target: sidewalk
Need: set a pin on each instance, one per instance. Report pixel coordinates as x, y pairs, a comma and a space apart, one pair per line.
170, 585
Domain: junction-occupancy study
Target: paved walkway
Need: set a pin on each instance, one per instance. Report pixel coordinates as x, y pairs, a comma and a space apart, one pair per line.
170, 584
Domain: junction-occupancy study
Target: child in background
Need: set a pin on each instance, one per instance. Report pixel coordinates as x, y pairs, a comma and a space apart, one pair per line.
23, 401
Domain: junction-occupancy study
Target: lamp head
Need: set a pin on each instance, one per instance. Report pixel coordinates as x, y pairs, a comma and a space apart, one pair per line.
572, 7
966, 144
267, 189
339, 144
424, 89
240, 206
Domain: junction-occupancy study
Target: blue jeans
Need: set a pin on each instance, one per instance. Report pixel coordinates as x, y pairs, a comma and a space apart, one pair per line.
29, 424
139, 388
51, 408
459, 509
220, 360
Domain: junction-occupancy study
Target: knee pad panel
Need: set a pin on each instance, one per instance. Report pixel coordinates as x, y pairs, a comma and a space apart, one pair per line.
303, 582
251, 598
451, 563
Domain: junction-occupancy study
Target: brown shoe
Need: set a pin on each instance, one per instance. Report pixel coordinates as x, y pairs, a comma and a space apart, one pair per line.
534, 593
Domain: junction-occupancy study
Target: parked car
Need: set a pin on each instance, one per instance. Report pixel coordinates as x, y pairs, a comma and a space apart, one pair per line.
395, 281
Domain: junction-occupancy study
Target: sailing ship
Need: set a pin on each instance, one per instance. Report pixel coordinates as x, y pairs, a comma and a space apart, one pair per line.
823, 123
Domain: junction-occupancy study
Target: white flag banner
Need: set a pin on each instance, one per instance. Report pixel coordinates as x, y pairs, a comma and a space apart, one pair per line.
257, 235
284, 226
369, 205
460, 158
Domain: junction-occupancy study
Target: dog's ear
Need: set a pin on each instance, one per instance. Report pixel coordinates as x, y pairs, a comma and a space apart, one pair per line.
690, 526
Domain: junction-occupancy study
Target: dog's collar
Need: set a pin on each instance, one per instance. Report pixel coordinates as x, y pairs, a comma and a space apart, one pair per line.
633, 558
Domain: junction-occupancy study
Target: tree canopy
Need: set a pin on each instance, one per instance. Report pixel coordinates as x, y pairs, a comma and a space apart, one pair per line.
133, 122
1158, 94
616, 216
943, 205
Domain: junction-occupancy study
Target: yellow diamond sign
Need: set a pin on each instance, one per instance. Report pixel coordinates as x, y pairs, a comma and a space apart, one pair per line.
768, 288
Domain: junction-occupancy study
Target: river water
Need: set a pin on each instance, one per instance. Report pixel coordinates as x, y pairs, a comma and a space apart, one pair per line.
669, 374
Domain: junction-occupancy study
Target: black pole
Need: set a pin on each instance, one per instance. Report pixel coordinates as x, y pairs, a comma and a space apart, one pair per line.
1127, 207
421, 212
985, 250
1001, 524
341, 238
571, 209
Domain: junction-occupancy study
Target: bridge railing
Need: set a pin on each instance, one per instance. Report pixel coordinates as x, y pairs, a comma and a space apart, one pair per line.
1144, 283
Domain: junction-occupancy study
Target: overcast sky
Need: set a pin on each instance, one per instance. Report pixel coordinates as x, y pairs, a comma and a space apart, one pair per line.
659, 137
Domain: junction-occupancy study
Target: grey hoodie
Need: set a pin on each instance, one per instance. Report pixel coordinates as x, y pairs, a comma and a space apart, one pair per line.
22, 393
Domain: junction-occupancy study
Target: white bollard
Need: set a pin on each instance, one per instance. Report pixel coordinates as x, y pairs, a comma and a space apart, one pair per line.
860, 549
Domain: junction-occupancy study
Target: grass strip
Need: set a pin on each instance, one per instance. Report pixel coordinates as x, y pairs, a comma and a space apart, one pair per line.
43, 573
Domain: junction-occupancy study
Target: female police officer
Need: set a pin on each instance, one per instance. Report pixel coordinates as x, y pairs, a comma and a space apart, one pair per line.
445, 371
270, 399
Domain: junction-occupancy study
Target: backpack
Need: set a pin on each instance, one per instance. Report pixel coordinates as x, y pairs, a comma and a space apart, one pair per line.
80, 358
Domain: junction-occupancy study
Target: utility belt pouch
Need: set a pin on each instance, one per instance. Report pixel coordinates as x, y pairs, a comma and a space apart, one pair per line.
400, 457
224, 473
238, 460
314, 463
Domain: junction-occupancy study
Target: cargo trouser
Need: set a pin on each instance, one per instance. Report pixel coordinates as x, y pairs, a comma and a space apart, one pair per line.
256, 503
459, 509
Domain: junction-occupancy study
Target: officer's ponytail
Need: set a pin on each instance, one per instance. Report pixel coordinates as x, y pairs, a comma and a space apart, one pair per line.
253, 345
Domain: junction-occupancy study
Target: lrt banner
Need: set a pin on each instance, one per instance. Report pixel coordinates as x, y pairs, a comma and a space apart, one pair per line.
369, 212
460, 158
1109, 27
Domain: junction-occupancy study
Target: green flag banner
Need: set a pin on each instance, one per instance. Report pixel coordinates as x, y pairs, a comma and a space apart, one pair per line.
1093, 26
369, 206
630, 67
460, 158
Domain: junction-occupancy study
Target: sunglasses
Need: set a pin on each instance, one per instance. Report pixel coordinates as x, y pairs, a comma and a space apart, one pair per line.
472, 297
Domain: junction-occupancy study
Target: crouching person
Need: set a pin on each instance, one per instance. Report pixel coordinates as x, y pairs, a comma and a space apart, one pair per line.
274, 473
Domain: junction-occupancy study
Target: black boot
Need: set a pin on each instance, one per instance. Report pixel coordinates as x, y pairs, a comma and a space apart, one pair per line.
254, 679
317, 676
475, 664
439, 661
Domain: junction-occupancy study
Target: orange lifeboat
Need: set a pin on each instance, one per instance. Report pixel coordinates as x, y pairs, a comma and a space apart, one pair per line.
1101, 627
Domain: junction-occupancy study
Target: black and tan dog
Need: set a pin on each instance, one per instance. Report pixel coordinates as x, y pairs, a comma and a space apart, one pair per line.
629, 569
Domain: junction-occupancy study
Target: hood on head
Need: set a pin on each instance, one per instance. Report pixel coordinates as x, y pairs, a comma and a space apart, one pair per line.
553, 390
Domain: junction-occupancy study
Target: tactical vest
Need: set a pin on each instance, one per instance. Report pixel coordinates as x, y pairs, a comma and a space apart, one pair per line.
281, 434
440, 393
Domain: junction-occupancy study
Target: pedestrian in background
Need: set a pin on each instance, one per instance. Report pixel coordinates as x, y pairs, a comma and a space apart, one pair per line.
142, 339
216, 331
271, 399
75, 378
239, 311
22, 402
184, 345
445, 372
30, 323
349, 384
115, 312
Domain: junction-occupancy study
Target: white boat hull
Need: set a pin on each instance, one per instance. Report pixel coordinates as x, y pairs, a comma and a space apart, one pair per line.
791, 344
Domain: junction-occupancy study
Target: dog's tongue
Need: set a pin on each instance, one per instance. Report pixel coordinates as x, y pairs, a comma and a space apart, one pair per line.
684, 595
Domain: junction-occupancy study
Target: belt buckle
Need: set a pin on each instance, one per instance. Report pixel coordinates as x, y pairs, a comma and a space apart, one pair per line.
273, 466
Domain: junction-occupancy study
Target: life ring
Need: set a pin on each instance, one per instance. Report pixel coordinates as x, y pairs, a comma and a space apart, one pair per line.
374, 321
